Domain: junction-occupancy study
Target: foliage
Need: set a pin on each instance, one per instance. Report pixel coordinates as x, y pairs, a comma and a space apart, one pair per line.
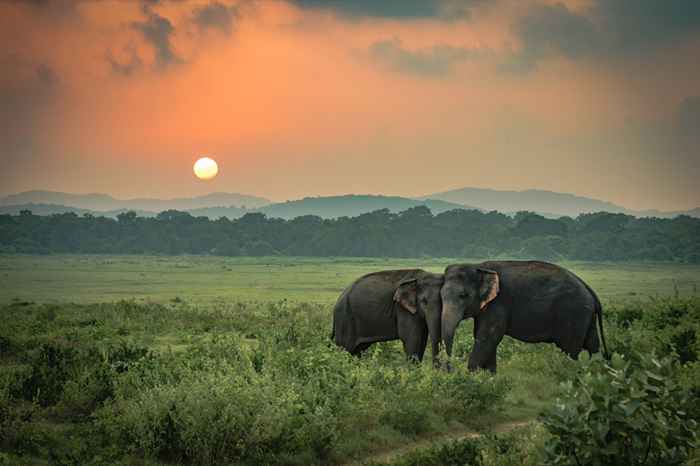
516, 448
412, 233
520, 447
235, 381
630, 411
463, 452
258, 383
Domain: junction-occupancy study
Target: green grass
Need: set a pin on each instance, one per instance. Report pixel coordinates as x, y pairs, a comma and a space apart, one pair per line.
232, 315
206, 280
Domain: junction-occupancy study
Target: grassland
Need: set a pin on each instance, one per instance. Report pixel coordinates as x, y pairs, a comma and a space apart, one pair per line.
206, 280
208, 360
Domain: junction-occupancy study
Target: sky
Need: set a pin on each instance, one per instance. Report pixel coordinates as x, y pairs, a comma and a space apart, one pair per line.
297, 98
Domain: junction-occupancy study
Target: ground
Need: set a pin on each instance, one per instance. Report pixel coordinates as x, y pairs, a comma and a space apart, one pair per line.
198, 315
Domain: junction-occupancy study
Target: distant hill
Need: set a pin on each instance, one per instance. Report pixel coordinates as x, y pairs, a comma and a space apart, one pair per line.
105, 202
325, 207
351, 206
657, 213
50, 209
218, 212
547, 203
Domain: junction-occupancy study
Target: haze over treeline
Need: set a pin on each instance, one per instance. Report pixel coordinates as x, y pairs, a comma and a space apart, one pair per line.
415, 232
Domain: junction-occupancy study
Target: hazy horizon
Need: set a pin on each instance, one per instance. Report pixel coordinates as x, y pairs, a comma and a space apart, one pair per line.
297, 98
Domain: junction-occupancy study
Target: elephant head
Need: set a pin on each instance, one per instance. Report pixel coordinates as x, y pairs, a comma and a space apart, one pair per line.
467, 290
421, 296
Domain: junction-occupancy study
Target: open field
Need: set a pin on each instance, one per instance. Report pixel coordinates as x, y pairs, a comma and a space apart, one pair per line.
204, 279
209, 360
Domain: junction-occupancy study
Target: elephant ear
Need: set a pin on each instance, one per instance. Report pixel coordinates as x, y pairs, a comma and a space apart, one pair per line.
405, 295
489, 287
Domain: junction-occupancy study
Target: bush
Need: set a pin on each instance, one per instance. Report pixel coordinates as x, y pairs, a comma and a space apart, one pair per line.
467, 394
628, 411
50, 370
464, 452
519, 447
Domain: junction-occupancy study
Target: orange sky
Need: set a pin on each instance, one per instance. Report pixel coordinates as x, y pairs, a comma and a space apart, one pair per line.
312, 97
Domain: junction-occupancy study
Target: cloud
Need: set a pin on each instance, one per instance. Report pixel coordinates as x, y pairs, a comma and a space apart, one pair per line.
609, 29
549, 30
215, 15
438, 60
631, 26
396, 9
158, 30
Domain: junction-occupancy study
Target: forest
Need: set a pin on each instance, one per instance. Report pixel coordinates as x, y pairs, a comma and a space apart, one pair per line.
415, 232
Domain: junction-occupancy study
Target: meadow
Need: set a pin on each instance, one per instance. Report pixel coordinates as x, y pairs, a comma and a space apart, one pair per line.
157, 360
212, 279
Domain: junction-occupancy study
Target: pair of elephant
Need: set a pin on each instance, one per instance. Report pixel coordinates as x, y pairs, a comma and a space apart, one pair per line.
531, 301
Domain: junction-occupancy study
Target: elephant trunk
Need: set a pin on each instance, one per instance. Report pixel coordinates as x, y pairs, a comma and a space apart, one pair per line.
451, 317
433, 322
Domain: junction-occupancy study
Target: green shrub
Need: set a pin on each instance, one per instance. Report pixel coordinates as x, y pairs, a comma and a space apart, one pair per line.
50, 370
464, 452
6, 346
629, 411
408, 401
519, 447
209, 419
467, 394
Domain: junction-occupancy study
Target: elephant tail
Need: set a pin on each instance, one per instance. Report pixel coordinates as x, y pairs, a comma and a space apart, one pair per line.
599, 318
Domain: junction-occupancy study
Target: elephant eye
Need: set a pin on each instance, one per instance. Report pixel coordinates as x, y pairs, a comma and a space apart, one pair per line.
424, 300
464, 295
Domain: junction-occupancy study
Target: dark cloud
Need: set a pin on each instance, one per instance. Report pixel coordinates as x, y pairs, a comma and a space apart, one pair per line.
609, 29
398, 9
432, 62
158, 30
215, 15
631, 26
549, 30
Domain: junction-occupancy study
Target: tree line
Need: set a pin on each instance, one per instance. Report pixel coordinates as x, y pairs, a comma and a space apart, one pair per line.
415, 232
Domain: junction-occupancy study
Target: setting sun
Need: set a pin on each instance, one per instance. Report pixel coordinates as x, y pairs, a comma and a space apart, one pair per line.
206, 168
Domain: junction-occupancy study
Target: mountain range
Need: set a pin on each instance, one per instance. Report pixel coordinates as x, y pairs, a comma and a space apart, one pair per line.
547, 203
234, 205
105, 202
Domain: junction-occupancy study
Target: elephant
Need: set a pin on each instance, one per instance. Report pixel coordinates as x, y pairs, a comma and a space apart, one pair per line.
530, 301
390, 305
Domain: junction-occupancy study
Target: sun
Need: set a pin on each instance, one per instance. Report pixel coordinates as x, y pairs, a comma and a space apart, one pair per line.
206, 168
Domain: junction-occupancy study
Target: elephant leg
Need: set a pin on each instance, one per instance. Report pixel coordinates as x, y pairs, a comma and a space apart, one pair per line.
592, 343
574, 324
413, 332
489, 332
360, 348
423, 344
